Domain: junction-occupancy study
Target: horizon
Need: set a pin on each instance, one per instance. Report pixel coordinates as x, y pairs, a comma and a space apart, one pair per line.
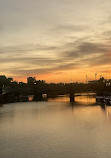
71, 81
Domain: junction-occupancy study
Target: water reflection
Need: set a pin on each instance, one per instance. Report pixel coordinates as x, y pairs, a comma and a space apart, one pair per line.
83, 100
56, 129
79, 99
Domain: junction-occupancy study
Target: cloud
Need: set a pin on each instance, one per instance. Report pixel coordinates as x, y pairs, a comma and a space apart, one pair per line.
36, 71
25, 48
85, 49
74, 56
67, 28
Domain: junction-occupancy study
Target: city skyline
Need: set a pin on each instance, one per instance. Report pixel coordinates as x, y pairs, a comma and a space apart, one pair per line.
55, 40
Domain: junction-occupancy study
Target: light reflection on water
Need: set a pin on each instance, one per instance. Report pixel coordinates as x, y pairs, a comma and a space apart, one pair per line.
56, 129
82, 99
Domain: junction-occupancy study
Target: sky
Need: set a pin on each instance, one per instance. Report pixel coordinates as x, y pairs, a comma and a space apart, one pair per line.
55, 40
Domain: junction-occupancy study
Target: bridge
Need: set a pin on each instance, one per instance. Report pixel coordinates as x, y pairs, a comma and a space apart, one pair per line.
22, 94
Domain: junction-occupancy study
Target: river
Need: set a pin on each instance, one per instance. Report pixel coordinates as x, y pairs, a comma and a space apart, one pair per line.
55, 129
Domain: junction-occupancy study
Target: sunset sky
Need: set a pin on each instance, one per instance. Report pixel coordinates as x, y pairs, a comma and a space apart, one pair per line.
55, 40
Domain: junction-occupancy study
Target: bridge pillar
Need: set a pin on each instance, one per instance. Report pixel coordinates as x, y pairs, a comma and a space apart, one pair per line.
72, 97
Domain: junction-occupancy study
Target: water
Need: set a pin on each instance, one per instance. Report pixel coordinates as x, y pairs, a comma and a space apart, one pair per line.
55, 129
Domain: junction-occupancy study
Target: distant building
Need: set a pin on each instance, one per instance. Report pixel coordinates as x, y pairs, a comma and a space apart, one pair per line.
31, 80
